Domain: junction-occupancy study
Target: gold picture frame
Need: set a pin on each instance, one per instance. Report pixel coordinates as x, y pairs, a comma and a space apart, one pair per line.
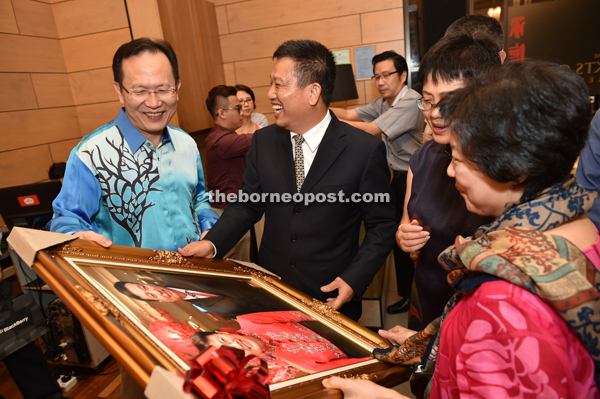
139, 332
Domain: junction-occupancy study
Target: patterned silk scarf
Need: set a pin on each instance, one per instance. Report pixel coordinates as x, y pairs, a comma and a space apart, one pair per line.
515, 248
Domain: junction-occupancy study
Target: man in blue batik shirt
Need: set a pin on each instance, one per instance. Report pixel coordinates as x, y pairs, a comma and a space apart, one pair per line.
137, 181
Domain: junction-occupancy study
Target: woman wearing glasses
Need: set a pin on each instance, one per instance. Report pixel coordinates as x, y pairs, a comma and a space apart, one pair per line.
251, 121
523, 321
434, 212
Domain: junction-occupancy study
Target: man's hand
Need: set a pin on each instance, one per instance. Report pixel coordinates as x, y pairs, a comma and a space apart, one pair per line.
205, 232
93, 236
345, 293
360, 389
200, 249
411, 237
397, 334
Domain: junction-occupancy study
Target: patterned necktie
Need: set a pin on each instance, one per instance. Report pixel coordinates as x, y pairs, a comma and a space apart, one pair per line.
299, 161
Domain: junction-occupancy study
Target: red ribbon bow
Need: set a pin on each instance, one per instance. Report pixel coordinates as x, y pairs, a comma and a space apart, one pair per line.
219, 373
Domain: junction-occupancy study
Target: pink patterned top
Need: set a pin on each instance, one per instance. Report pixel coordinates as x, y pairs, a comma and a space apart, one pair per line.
504, 342
593, 252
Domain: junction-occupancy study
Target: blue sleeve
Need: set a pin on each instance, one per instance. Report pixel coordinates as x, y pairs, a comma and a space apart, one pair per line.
78, 201
588, 169
206, 217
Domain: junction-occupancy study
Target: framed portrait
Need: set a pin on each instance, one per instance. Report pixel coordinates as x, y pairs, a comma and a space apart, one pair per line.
152, 308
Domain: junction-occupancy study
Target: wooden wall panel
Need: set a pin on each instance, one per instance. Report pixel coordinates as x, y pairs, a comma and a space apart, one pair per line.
337, 32
144, 19
30, 54
17, 92
8, 21
191, 27
262, 102
223, 2
395, 45
60, 151
371, 24
25, 166
35, 18
93, 86
244, 16
31, 128
254, 72
93, 51
83, 17
93, 116
222, 22
229, 71
52, 89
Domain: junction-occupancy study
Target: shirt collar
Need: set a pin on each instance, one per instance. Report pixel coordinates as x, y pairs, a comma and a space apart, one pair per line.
400, 95
132, 135
314, 136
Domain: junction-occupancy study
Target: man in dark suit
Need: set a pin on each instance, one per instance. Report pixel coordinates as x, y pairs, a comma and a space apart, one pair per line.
226, 298
315, 178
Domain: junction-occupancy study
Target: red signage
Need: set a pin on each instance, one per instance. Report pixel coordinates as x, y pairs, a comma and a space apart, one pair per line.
29, 200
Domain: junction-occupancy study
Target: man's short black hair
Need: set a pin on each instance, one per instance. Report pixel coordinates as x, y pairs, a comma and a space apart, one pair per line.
57, 171
455, 58
314, 63
399, 61
478, 27
247, 90
523, 122
138, 47
217, 98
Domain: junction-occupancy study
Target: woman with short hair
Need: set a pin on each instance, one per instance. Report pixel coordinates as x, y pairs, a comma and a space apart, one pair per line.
251, 121
523, 320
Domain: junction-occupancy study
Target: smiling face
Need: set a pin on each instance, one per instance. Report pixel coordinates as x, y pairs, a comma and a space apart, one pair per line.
392, 85
249, 345
434, 93
292, 104
482, 195
151, 72
154, 292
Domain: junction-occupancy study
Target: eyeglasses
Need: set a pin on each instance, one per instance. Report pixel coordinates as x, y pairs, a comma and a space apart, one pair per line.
143, 94
426, 105
238, 107
246, 101
383, 76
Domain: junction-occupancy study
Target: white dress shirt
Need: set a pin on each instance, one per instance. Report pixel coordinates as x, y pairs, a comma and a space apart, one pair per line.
312, 140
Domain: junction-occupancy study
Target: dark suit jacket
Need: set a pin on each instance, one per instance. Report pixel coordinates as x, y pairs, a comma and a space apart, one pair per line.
310, 245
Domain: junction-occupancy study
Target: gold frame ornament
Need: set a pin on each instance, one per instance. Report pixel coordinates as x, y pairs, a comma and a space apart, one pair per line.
85, 276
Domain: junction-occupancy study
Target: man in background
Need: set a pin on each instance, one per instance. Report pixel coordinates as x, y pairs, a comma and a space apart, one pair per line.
480, 27
395, 118
226, 153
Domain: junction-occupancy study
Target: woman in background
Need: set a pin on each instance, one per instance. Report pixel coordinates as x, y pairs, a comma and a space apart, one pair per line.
251, 121
522, 323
